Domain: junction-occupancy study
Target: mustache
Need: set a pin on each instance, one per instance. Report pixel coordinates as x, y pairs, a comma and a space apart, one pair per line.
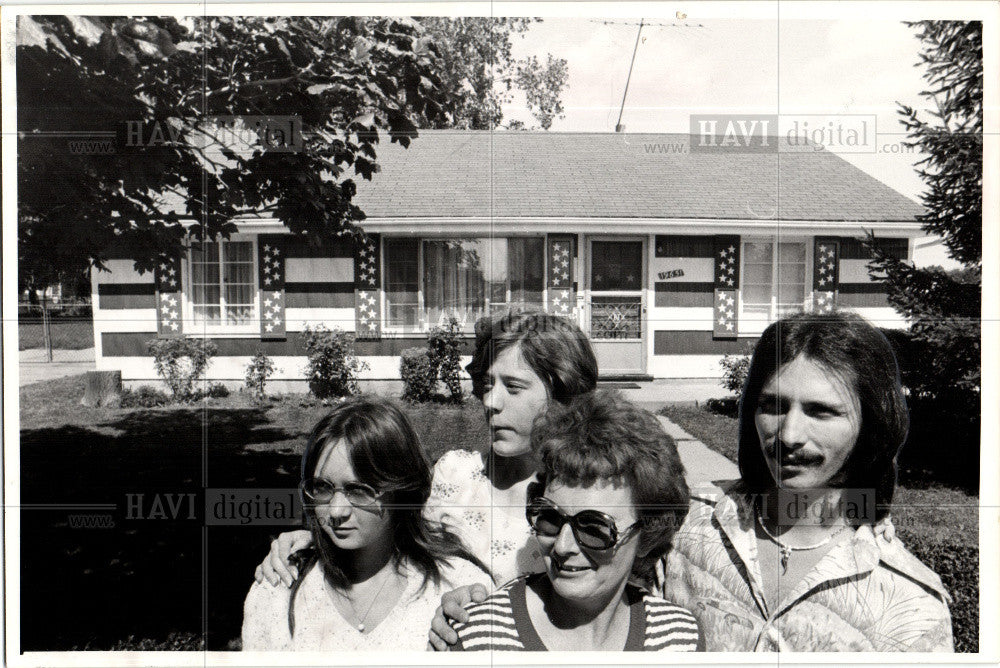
788, 455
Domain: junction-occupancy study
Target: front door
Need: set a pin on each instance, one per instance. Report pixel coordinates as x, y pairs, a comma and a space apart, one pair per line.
614, 280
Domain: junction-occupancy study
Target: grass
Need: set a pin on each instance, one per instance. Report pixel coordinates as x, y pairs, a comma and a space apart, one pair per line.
938, 523
68, 334
154, 580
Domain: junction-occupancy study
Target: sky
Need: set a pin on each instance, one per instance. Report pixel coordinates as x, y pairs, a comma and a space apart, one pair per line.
740, 66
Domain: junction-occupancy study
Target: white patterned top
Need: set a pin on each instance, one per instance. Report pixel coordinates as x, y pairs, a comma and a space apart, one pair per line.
320, 627
462, 499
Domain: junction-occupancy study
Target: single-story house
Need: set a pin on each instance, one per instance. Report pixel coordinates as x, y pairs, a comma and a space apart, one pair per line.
668, 259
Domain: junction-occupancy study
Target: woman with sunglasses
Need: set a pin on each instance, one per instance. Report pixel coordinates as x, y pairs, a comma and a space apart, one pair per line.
605, 509
522, 363
378, 567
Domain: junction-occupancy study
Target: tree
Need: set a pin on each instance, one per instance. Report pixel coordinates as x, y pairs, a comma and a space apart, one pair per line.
479, 66
944, 308
942, 363
172, 86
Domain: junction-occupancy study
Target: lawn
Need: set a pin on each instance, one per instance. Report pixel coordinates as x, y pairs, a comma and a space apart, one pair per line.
157, 583
67, 334
938, 523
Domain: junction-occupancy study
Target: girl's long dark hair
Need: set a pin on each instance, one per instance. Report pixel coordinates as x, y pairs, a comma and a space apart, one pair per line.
385, 453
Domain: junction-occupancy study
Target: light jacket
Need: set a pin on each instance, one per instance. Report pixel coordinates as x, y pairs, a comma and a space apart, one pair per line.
865, 595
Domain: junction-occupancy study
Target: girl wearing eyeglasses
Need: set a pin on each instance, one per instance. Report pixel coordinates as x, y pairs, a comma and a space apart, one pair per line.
378, 567
611, 496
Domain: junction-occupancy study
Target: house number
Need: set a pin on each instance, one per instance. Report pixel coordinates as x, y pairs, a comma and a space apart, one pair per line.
673, 273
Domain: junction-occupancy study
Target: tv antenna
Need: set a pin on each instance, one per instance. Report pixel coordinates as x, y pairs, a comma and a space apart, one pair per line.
638, 34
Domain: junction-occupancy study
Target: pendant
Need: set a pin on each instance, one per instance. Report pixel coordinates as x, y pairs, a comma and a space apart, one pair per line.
786, 552
361, 628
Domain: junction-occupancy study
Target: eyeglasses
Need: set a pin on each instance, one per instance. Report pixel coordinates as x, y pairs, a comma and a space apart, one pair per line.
320, 491
592, 529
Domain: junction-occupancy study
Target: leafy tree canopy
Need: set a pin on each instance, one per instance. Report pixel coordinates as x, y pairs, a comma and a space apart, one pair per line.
944, 307
169, 88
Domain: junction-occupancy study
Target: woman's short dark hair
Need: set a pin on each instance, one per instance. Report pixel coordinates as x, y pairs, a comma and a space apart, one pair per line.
859, 356
555, 349
385, 453
601, 436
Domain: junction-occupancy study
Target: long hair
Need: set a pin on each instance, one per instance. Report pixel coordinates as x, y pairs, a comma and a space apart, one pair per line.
860, 357
385, 453
555, 349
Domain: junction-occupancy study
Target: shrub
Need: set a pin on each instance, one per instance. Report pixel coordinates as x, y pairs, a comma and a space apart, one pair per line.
143, 396
735, 369
959, 571
180, 362
444, 352
213, 391
419, 378
259, 370
333, 366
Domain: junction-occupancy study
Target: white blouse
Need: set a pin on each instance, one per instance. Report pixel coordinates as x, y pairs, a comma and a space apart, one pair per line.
319, 626
462, 499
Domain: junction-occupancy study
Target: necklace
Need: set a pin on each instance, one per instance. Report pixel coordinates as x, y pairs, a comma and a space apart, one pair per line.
786, 550
361, 619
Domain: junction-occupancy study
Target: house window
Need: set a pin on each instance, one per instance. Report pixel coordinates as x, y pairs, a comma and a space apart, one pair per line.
223, 286
429, 281
773, 281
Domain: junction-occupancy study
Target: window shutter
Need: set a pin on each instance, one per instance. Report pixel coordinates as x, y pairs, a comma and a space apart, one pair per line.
826, 274
169, 301
727, 285
271, 279
559, 258
367, 281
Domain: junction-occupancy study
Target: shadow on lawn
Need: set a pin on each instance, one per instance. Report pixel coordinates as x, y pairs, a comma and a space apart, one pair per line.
92, 587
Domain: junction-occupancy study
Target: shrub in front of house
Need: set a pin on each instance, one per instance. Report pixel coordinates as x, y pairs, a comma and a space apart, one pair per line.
180, 362
259, 371
444, 350
735, 369
143, 396
333, 367
419, 377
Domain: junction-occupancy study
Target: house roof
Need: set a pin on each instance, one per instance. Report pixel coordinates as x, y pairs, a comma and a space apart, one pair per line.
450, 173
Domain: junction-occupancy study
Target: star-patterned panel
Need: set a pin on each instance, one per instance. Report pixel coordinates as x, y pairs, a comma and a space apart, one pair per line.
167, 275
562, 297
271, 278
367, 281
727, 285
826, 275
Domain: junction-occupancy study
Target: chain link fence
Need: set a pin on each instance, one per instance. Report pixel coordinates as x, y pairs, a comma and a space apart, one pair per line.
55, 332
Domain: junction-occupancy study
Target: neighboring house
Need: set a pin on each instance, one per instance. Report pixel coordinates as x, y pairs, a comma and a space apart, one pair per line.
667, 258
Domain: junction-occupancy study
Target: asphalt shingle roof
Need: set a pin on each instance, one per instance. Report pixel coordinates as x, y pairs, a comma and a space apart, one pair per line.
540, 174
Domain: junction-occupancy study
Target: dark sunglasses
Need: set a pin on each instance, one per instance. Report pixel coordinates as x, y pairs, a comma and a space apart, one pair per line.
592, 529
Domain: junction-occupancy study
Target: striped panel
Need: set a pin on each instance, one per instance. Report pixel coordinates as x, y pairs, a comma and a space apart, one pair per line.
319, 295
873, 288
681, 342
271, 279
854, 271
126, 295
863, 300
319, 270
683, 294
684, 245
122, 271
559, 258
303, 247
852, 248
367, 284
169, 304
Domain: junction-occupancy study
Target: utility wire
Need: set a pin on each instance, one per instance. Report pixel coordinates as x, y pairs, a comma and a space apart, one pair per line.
635, 50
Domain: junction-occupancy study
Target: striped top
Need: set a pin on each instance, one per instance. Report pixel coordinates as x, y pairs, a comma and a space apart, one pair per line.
501, 622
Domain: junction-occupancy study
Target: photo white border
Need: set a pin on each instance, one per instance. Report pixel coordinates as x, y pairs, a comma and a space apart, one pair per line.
989, 586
